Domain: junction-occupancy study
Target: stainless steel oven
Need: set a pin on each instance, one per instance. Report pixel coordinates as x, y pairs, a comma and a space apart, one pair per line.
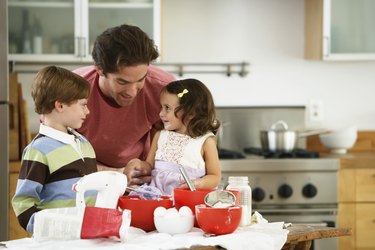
311, 216
299, 191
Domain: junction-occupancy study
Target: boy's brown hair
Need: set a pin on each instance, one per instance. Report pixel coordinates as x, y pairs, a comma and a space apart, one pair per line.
53, 84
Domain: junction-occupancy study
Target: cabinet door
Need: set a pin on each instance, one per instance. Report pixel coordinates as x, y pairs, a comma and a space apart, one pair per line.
339, 30
65, 30
365, 185
365, 225
349, 30
41, 30
103, 14
346, 218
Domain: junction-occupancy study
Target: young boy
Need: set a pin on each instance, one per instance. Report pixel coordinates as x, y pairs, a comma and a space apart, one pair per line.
58, 156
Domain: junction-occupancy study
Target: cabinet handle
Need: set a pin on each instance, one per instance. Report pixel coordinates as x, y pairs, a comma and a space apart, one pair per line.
83, 47
77, 46
326, 46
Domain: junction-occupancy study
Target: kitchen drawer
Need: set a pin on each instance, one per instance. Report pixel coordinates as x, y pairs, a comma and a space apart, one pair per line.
365, 225
365, 185
346, 218
357, 185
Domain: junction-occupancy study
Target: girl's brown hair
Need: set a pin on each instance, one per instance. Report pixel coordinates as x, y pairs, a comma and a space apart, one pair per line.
53, 84
195, 101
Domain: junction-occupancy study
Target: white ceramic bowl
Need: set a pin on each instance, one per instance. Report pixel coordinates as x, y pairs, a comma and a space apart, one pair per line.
349, 131
173, 222
340, 140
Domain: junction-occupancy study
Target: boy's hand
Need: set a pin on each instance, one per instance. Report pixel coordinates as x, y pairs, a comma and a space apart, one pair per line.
138, 172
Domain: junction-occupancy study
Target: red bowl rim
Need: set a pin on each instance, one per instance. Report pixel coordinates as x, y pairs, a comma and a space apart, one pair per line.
198, 189
137, 197
204, 206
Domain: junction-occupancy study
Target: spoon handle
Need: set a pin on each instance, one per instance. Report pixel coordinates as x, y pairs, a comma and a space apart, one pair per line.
187, 179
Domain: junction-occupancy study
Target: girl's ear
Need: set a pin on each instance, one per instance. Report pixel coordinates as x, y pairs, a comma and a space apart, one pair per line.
59, 106
191, 116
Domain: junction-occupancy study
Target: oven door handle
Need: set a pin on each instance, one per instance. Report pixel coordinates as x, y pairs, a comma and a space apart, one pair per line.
289, 212
318, 224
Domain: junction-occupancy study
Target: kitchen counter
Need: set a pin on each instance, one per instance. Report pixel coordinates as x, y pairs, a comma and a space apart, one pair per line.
330, 162
354, 159
299, 237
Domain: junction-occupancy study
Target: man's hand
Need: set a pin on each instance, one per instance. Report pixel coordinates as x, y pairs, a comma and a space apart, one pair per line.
138, 172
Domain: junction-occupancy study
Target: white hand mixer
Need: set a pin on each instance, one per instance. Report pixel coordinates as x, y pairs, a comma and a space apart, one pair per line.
111, 185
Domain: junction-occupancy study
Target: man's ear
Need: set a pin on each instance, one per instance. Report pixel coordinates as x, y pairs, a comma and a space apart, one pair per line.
59, 106
99, 71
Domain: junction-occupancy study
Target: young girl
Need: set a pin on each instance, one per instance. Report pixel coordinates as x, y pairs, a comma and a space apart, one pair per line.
188, 116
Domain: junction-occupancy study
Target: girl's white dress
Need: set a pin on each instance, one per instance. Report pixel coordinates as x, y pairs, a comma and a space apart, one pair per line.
175, 150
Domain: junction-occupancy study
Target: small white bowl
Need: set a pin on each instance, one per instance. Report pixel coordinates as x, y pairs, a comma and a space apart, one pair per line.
350, 131
174, 222
339, 141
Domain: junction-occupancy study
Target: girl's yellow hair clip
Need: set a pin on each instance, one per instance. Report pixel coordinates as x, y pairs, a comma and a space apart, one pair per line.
182, 93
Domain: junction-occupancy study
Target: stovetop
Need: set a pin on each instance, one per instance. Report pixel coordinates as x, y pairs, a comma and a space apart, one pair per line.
296, 153
258, 160
266, 154
230, 154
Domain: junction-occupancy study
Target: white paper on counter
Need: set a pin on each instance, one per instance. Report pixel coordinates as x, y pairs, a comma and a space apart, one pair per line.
257, 236
57, 223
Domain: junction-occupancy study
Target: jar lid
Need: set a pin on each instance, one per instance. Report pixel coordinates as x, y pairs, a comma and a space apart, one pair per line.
238, 178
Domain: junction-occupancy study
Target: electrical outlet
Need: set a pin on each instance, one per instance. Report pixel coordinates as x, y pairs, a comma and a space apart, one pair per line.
316, 111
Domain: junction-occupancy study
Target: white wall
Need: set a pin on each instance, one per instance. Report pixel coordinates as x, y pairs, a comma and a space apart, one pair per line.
269, 34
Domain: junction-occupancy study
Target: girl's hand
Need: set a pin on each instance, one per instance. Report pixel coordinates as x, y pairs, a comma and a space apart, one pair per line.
197, 183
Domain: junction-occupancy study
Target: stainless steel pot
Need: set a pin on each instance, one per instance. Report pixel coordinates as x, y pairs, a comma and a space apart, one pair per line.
280, 139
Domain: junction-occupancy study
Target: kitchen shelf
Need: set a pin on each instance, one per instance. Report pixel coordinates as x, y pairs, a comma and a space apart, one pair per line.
40, 4
58, 4
179, 69
121, 5
206, 68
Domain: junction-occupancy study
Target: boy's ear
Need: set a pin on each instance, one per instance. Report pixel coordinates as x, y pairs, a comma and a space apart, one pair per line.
59, 106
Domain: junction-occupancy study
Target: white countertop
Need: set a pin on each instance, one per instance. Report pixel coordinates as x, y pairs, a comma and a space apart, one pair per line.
266, 236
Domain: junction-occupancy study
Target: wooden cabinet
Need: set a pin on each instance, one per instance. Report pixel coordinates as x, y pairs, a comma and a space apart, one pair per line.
15, 230
357, 202
356, 189
65, 30
339, 30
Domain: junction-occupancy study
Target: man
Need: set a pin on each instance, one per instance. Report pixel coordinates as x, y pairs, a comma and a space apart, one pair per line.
124, 100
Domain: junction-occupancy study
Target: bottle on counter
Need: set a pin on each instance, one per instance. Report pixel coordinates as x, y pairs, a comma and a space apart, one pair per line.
241, 184
26, 33
37, 39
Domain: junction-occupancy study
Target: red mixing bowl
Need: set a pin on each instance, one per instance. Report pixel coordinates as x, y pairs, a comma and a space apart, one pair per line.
186, 197
218, 221
142, 215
